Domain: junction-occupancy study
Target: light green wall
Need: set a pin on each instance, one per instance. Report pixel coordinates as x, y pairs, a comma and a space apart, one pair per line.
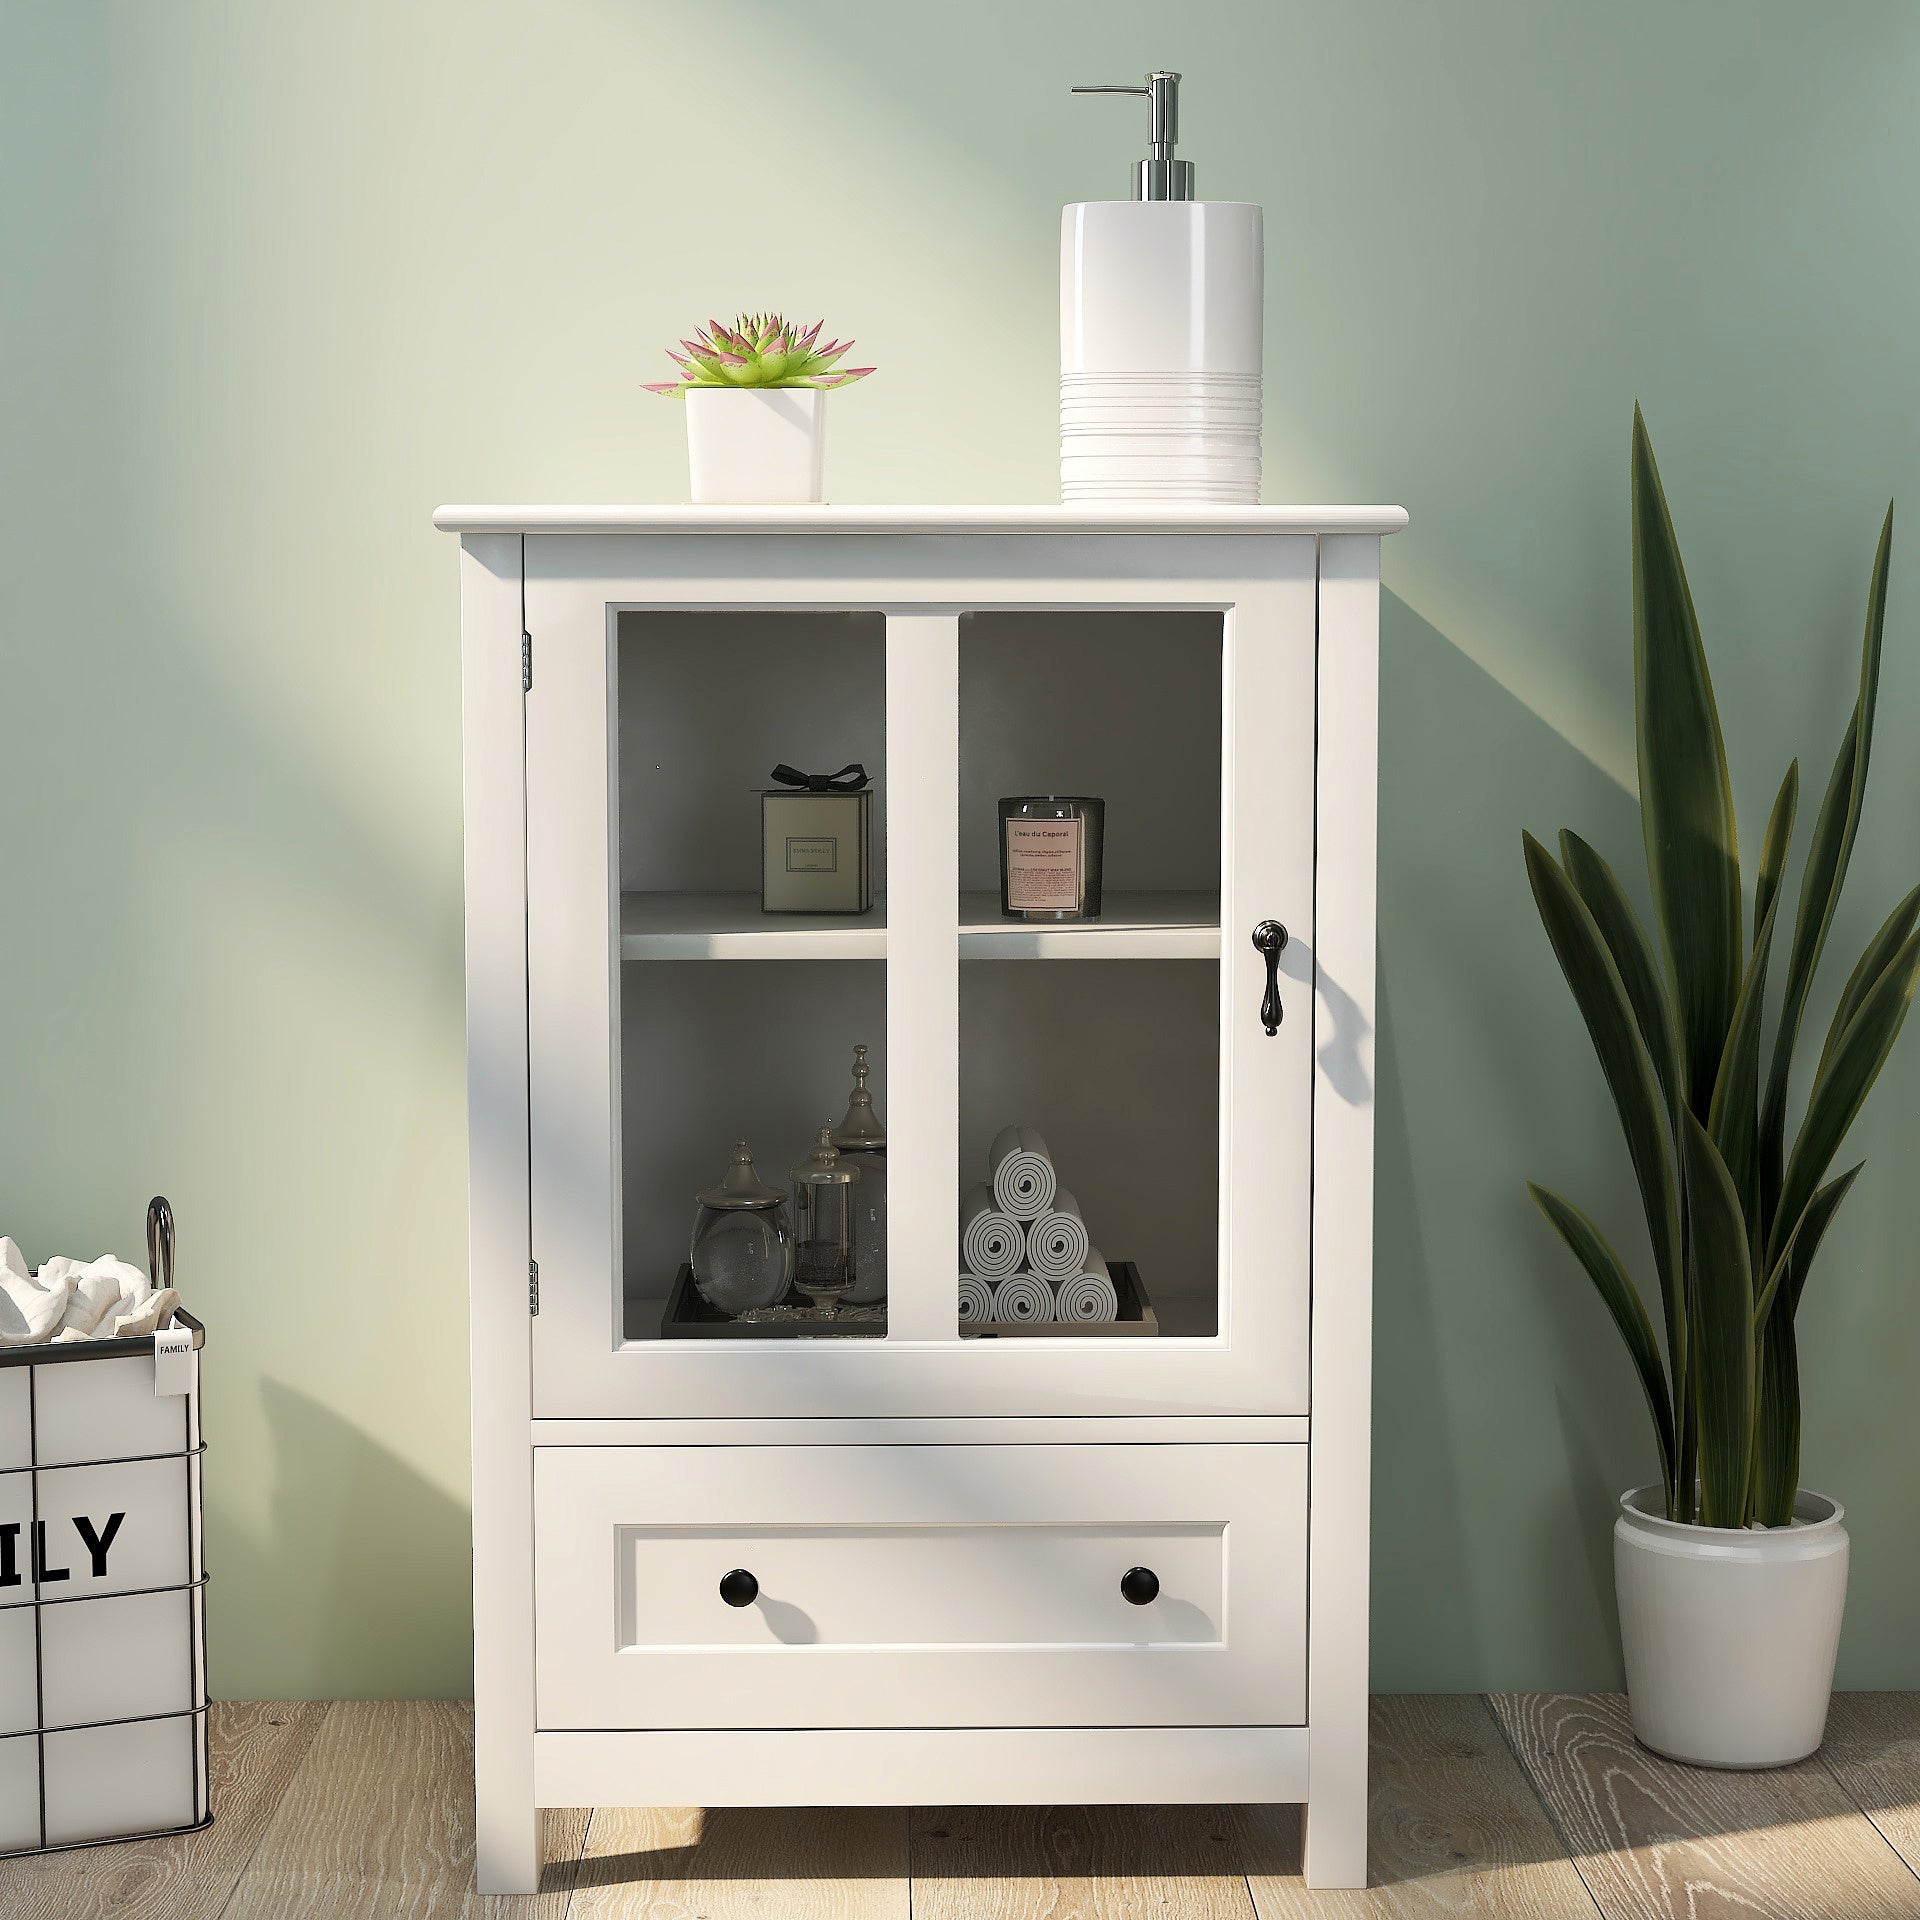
274, 280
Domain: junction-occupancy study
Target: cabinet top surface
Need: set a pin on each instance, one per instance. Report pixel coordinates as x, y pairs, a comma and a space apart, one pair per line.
1172, 518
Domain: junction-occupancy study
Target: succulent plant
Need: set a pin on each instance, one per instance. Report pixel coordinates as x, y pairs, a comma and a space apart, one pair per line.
759, 350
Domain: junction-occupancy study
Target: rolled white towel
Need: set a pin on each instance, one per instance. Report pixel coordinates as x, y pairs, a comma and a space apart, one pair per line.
1022, 1169
991, 1244
1023, 1296
1090, 1294
1057, 1242
976, 1298
29, 1312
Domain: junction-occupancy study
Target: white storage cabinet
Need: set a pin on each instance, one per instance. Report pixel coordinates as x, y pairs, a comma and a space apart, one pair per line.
923, 1536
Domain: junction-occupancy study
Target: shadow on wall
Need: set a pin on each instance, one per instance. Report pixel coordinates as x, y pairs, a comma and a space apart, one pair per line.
296, 989
1489, 1352
347, 1575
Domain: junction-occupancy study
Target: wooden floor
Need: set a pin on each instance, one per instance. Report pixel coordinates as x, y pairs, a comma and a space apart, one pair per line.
1517, 1807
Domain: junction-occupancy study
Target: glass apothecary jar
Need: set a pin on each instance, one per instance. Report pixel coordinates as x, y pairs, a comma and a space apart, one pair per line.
742, 1249
823, 1205
862, 1140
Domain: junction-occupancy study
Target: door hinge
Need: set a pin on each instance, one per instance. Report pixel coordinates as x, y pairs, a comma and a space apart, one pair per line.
533, 1288
526, 662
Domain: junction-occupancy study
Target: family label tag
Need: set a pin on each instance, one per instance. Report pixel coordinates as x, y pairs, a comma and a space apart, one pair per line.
174, 1361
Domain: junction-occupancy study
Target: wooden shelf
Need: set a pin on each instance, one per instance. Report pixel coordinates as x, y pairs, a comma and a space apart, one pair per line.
730, 926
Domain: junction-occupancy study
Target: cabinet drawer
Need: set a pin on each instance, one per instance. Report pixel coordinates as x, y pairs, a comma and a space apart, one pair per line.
920, 1586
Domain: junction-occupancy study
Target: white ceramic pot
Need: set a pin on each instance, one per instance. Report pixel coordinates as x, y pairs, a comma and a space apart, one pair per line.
1730, 1634
755, 446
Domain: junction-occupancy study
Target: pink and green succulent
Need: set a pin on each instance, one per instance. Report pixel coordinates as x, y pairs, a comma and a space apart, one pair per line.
759, 350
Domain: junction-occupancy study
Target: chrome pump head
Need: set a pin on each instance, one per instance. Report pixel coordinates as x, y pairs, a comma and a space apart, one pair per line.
1160, 176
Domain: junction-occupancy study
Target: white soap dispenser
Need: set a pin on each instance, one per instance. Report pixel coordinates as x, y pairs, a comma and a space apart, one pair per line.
1160, 314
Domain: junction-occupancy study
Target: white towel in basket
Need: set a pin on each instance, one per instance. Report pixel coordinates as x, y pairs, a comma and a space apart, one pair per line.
1090, 1294
102, 1293
70, 1300
29, 1311
1023, 1297
148, 1316
991, 1244
1022, 1169
1057, 1242
976, 1298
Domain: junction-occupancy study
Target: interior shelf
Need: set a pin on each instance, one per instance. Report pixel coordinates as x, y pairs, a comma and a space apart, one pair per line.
730, 926
1132, 926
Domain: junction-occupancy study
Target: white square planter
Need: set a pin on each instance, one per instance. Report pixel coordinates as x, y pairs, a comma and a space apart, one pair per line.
103, 1670
755, 446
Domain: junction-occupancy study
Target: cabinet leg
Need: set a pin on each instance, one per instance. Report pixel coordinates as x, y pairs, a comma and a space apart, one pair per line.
1336, 1841
507, 1848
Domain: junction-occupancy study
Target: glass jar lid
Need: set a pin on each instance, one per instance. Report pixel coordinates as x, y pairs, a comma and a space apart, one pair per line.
823, 1167
741, 1187
862, 1131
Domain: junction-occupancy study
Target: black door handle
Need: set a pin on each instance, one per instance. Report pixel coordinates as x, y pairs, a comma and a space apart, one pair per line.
1140, 1586
739, 1588
1270, 937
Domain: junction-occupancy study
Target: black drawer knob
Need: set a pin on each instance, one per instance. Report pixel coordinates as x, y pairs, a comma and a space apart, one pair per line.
1140, 1586
739, 1588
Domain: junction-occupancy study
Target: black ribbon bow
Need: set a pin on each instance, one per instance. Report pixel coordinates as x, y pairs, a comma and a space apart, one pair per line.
850, 779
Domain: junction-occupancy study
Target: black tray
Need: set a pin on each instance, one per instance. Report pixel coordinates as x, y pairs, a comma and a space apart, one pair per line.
1137, 1319
689, 1317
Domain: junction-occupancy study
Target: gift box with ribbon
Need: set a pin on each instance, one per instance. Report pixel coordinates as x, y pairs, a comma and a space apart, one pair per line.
816, 842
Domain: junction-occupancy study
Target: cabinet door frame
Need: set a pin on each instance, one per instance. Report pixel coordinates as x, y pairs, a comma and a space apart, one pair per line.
1265, 586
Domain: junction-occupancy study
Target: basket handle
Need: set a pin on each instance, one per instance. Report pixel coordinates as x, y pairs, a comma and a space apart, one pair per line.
159, 1241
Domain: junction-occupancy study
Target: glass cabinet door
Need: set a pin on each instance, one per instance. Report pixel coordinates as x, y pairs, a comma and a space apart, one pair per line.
752, 967
850, 1095
1090, 825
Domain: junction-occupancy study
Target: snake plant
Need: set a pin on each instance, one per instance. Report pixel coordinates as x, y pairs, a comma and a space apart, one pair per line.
1735, 1212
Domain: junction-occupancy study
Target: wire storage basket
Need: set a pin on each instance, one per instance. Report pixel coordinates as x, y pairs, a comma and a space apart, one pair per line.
103, 1661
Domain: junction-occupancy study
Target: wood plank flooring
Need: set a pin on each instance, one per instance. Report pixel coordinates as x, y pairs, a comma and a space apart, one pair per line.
1522, 1807
1653, 1838
1873, 1748
775, 1863
257, 1748
1093, 1863
1454, 1828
